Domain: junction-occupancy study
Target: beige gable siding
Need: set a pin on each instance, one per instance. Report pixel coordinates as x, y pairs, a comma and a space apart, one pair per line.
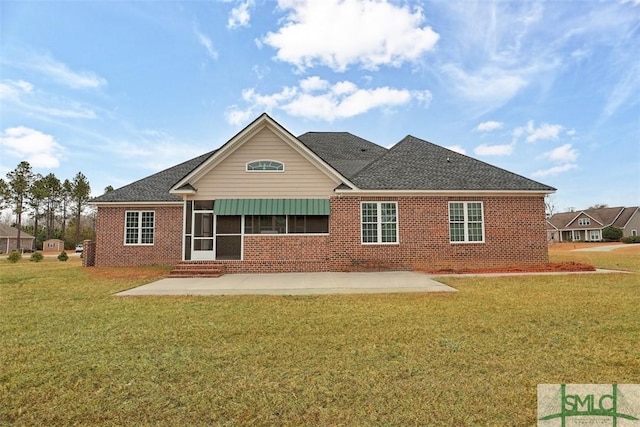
229, 179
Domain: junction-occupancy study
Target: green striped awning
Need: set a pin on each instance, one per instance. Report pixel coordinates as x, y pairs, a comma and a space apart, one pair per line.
271, 207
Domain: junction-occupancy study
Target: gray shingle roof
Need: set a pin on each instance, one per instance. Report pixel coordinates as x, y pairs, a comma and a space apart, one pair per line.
12, 232
154, 188
412, 164
415, 164
346, 153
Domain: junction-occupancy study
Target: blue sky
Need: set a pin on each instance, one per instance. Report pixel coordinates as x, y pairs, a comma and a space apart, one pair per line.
120, 90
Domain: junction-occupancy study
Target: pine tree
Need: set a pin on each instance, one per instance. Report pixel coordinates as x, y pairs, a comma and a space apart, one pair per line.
36, 197
80, 191
18, 185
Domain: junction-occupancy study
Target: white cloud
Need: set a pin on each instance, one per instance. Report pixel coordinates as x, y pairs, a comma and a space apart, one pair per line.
240, 15
625, 92
316, 98
489, 126
313, 83
61, 73
543, 132
20, 95
341, 33
555, 170
494, 150
152, 149
37, 148
207, 44
563, 154
457, 149
236, 116
490, 86
11, 89
269, 102
260, 71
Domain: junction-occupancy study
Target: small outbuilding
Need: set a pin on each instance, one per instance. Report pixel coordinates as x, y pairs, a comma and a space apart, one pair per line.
9, 239
53, 245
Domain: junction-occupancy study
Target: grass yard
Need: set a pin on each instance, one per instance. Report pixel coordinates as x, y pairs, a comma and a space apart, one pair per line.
72, 353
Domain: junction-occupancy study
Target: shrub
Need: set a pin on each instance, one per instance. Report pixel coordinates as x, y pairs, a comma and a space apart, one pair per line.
14, 256
63, 256
36, 257
630, 239
611, 233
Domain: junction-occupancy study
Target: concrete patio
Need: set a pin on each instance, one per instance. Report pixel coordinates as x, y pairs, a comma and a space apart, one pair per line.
294, 284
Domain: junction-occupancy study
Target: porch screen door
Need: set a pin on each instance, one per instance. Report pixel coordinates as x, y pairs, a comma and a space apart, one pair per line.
203, 231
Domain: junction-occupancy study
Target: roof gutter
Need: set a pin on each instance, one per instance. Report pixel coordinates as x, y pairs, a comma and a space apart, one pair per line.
345, 192
157, 203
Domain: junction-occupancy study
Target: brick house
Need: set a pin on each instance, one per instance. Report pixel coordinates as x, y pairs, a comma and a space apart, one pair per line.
587, 225
267, 201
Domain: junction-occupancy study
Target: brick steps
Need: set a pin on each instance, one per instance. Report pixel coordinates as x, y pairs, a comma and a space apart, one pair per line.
195, 269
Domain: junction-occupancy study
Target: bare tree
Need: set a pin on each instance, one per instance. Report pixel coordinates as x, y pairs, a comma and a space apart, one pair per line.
598, 206
550, 206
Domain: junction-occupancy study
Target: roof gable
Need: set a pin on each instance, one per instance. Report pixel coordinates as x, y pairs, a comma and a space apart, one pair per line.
625, 216
584, 214
264, 121
415, 164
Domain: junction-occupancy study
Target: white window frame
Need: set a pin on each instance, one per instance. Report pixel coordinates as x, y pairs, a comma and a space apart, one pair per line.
584, 221
246, 166
379, 223
634, 233
466, 222
139, 228
594, 235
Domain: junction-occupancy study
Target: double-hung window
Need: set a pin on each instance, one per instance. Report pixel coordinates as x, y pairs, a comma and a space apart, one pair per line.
466, 222
139, 227
379, 222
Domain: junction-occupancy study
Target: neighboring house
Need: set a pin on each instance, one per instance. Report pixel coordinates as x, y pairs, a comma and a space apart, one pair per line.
53, 245
9, 239
587, 225
267, 201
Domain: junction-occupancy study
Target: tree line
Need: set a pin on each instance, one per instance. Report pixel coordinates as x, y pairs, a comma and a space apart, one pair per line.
47, 200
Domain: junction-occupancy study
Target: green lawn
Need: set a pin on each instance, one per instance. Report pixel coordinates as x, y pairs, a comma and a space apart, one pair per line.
72, 353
